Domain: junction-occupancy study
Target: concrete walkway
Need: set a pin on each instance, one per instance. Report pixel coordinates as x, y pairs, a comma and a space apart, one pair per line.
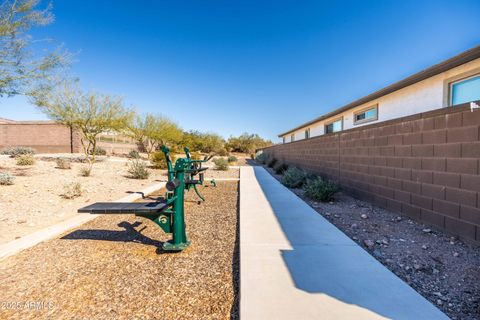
294, 264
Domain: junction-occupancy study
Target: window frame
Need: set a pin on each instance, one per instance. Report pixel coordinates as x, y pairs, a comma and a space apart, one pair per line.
452, 83
331, 122
307, 133
448, 83
364, 110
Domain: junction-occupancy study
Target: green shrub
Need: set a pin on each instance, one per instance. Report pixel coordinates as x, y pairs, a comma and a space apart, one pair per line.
72, 190
99, 151
63, 163
261, 158
138, 169
271, 162
85, 171
319, 189
25, 160
280, 167
18, 151
134, 154
6, 179
158, 160
294, 177
232, 159
221, 164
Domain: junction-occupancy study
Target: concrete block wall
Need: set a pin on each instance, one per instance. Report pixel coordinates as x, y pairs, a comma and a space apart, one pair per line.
425, 166
43, 136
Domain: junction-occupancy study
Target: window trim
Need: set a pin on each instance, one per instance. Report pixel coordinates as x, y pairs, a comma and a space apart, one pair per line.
330, 122
447, 84
355, 113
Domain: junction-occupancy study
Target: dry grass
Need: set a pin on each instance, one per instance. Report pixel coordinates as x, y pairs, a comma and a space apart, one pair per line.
112, 268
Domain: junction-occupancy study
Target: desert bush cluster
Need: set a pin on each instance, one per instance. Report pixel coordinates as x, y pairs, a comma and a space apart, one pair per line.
63, 163
15, 152
221, 164
158, 160
6, 179
25, 160
72, 190
138, 169
315, 187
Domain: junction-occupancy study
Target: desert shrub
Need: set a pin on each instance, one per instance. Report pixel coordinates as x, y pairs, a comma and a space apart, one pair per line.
319, 189
134, 154
271, 162
99, 151
138, 169
222, 152
252, 156
63, 163
85, 171
158, 160
261, 158
293, 177
232, 159
72, 190
280, 167
6, 179
18, 151
221, 164
25, 160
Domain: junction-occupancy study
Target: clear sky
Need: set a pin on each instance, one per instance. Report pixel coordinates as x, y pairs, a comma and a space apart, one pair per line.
258, 66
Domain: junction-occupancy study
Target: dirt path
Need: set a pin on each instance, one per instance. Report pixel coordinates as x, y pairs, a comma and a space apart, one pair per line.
111, 268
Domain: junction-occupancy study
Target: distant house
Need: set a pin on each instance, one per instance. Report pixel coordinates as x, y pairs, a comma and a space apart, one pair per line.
449, 83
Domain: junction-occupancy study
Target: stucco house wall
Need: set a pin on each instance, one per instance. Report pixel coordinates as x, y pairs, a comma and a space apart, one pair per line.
426, 95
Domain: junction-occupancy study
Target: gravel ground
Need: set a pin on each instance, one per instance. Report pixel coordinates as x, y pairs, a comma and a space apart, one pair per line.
34, 201
442, 268
112, 268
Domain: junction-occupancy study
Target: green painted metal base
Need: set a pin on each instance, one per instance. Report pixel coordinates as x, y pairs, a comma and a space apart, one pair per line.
168, 246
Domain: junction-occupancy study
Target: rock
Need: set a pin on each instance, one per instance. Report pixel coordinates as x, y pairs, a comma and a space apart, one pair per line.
398, 219
438, 294
377, 254
436, 271
20, 221
363, 216
439, 302
417, 267
354, 226
385, 242
456, 254
331, 202
336, 216
424, 247
353, 206
427, 230
327, 214
354, 238
368, 243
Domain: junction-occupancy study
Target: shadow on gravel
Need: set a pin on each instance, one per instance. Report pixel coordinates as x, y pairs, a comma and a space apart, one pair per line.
130, 234
234, 311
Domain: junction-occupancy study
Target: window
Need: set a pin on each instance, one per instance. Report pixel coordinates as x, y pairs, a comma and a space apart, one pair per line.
366, 115
307, 133
292, 138
465, 90
284, 139
334, 126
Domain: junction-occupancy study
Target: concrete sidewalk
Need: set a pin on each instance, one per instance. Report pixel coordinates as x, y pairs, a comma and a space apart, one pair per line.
294, 264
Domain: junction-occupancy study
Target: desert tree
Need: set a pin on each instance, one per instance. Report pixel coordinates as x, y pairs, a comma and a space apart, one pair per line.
21, 70
88, 113
153, 131
247, 143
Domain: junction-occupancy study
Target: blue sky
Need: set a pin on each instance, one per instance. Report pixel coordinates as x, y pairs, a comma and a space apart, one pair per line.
258, 66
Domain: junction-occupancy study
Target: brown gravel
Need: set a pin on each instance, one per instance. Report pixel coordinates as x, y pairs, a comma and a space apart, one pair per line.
442, 268
112, 268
